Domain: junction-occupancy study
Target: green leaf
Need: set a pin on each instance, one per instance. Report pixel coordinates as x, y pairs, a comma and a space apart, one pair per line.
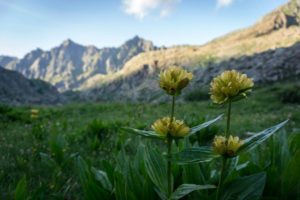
290, 178
194, 155
148, 134
258, 138
21, 189
102, 177
156, 168
195, 129
91, 188
245, 188
122, 190
185, 189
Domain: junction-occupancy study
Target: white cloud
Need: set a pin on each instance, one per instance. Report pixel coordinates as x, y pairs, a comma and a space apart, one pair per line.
224, 3
142, 8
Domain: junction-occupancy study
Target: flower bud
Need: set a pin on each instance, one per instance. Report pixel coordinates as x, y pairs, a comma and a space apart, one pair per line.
174, 79
230, 85
176, 129
227, 147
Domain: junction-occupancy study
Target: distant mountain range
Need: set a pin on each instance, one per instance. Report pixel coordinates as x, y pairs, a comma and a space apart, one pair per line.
70, 65
268, 51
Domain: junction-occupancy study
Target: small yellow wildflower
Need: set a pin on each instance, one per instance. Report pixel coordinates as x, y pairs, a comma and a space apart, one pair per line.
228, 85
34, 113
219, 145
174, 79
227, 147
176, 129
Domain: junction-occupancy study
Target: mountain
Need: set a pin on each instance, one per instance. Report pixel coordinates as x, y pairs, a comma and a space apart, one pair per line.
6, 60
70, 65
130, 71
16, 89
269, 51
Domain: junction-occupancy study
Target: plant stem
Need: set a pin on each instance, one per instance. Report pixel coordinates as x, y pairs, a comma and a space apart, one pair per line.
169, 167
228, 119
173, 108
170, 139
224, 161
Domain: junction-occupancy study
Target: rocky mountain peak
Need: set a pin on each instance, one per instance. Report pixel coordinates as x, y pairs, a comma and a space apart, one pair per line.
70, 65
139, 42
34, 54
68, 42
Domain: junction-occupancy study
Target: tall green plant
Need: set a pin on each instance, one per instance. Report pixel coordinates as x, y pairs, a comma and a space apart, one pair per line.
172, 81
227, 88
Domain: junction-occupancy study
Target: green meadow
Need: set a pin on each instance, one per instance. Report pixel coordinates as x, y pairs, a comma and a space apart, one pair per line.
81, 151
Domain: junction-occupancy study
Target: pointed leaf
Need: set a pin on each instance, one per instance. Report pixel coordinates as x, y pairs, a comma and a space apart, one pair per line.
194, 155
245, 188
156, 168
148, 134
21, 189
185, 189
291, 176
160, 194
258, 138
204, 125
102, 177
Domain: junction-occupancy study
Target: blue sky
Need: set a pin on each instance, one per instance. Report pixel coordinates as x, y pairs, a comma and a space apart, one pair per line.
28, 24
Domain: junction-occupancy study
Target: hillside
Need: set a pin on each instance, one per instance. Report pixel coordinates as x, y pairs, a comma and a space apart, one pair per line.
129, 71
263, 50
70, 64
15, 89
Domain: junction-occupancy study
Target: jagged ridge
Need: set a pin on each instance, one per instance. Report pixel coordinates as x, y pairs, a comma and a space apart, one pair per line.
70, 65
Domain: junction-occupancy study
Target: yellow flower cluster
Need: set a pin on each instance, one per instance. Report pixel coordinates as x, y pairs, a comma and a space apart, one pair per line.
227, 147
174, 79
228, 85
34, 113
176, 129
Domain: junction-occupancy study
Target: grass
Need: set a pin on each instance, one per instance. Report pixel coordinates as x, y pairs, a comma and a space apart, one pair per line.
42, 150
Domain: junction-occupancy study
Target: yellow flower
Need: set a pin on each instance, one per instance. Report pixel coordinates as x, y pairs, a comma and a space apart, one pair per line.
161, 126
176, 129
219, 145
227, 147
229, 85
233, 144
174, 79
34, 113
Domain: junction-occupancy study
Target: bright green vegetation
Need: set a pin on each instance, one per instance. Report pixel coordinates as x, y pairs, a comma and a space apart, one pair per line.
63, 154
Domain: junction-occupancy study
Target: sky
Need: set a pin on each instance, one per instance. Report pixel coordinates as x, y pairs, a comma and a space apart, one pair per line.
30, 24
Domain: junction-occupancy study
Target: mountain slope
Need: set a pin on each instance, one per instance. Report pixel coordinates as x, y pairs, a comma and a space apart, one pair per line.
16, 89
254, 48
6, 60
69, 65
